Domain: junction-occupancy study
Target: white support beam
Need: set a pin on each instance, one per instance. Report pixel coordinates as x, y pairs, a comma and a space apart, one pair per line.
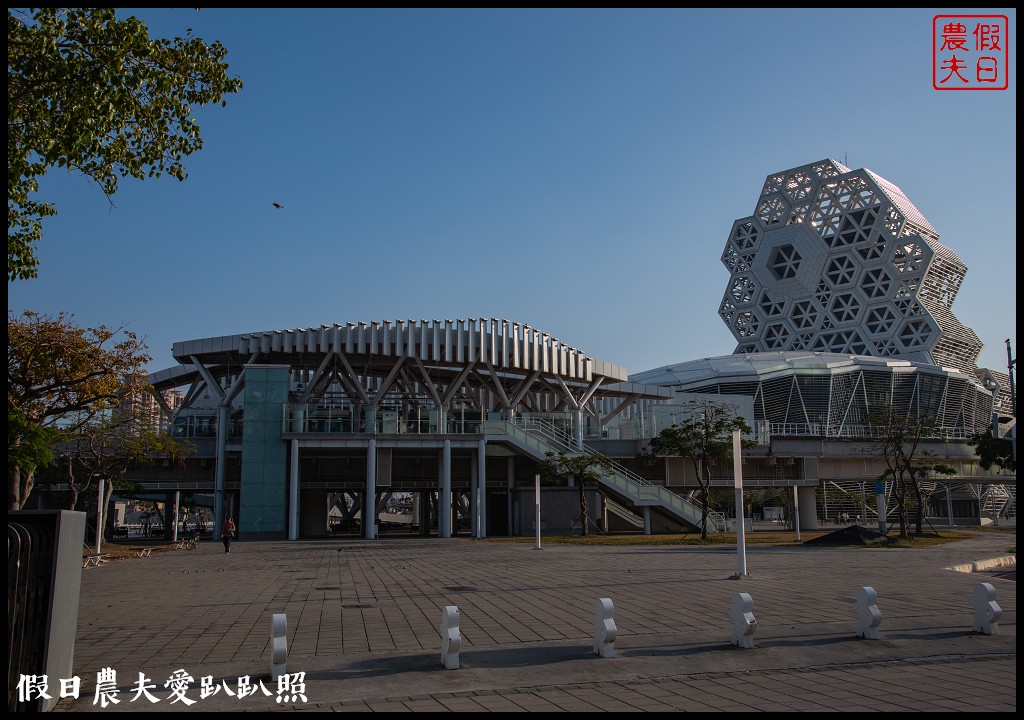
210, 381
456, 384
164, 408
354, 379
235, 387
428, 383
524, 387
594, 385
386, 385
193, 392
313, 381
497, 384
572, 401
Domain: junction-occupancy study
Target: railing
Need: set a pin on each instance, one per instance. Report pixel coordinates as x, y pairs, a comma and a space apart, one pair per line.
856, 431
644, 426
542, 438
313, 419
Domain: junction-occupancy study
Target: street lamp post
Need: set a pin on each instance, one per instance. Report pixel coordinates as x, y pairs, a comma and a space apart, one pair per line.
1010, 365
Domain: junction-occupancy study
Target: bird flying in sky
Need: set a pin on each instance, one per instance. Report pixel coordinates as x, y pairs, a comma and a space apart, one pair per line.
278, 206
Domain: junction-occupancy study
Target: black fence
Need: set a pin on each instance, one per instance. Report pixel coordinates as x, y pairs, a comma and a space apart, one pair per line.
44, 576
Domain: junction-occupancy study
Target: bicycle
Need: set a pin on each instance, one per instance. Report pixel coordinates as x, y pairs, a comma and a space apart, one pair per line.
188, 542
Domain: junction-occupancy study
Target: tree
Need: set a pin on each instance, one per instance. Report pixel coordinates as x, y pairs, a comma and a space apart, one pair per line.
992, 451
897, 436
705, 438
94, 94
60, 376
583, 470
108, 446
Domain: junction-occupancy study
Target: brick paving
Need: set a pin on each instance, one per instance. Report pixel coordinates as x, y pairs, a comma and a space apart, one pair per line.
363, 626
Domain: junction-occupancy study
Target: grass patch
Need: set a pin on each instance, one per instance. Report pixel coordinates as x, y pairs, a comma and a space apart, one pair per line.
991, 529
664, 539
779, 539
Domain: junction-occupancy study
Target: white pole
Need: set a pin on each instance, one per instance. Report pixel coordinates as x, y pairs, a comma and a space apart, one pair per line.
536, 482
796, 512
99, 513
177, 513
741, 538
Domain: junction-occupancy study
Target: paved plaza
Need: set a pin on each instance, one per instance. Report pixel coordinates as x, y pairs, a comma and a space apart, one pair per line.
363, 621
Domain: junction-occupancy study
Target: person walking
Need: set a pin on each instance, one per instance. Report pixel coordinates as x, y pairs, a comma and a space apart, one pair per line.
227, 533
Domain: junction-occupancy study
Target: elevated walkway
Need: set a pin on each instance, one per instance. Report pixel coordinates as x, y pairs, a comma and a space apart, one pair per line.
537, 438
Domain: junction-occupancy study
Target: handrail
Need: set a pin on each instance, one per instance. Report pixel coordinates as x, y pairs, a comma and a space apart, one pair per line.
852, 431
625, 480
571, 447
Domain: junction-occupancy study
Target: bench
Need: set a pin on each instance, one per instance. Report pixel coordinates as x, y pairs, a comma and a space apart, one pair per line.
94, 560
145, 552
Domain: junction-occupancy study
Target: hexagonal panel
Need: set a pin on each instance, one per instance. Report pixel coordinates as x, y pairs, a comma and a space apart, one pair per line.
839, 258
784, 262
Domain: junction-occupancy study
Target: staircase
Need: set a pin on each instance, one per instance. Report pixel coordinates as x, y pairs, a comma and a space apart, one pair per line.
625, 514
999, 500
537, 438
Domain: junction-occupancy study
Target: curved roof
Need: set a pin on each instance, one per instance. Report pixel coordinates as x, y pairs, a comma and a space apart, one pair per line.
444, 351
498, 342
764, 365
831, 394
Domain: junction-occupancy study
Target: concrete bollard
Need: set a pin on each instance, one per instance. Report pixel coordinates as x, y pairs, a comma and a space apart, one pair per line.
604, 628
743, 623
986, 610
451, 637
278, 646
869, 617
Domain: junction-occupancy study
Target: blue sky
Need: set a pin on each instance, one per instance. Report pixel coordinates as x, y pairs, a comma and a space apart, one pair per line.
575, 170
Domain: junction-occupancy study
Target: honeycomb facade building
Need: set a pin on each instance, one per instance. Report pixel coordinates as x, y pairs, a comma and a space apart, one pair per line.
840, 297
841, 261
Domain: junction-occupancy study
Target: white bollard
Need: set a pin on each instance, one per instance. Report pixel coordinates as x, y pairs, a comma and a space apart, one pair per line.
451, 637
604, 628
869, 617
278, 646
986, 610
743, 623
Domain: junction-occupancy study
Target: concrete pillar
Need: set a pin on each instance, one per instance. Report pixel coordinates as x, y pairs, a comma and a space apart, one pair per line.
424, 511
370, 501
444, 500
170, 508
808, 507
511, 490
481, 460
474, 497
371, 418
647, 519
220, 468
293, 492
577, 426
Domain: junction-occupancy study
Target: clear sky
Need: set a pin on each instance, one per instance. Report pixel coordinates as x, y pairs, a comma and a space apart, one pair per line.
575, 170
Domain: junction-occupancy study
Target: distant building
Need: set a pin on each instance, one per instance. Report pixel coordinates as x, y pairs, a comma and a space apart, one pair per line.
158, 412
840, 298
